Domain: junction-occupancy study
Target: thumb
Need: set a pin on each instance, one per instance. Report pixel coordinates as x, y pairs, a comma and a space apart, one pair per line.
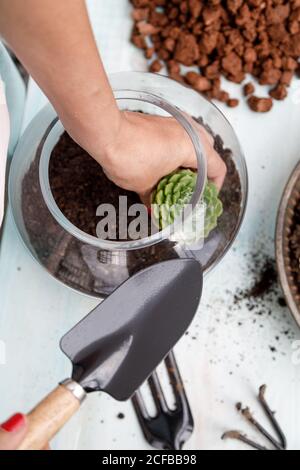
12, 432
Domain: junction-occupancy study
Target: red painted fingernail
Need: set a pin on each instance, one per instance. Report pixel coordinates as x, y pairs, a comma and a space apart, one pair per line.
14, 424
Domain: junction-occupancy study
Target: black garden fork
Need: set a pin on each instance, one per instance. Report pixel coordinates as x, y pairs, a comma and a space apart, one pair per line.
168, 429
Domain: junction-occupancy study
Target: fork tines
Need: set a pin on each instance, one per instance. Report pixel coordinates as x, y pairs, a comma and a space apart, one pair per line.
169, 429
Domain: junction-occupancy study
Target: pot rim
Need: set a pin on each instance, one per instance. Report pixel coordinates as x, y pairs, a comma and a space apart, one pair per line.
280, 243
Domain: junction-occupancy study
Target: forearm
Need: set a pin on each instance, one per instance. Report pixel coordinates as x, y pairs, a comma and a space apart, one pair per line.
54, 40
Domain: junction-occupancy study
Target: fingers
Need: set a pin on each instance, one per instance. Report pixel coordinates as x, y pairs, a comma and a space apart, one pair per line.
216, 168
12, 432
217, 172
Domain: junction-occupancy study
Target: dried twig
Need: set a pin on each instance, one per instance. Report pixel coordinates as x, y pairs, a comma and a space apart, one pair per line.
279, 443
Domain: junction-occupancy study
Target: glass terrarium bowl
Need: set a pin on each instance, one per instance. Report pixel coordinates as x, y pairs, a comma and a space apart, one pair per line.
94, 266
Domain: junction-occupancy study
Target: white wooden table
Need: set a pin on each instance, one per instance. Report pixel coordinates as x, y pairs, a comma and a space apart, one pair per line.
225, 362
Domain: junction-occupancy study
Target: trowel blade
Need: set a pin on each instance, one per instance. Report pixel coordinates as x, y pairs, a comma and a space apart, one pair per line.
118, 345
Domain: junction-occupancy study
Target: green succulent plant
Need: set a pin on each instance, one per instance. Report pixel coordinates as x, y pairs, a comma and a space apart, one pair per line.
174, 191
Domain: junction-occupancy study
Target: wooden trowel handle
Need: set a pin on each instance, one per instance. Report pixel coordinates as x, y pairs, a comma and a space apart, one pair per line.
50, 415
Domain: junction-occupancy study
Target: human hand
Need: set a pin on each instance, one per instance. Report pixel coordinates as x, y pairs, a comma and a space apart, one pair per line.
13, 431
148, 147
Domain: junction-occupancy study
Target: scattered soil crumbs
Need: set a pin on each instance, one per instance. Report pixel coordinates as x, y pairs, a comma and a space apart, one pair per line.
265, 280
230, 39
265, 283
282, 302
261, 300
253, 315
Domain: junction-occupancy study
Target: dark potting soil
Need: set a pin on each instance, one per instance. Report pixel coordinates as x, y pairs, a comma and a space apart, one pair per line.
294, 245
79, 186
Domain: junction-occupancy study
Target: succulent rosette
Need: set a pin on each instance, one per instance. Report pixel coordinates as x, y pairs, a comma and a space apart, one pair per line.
172, 194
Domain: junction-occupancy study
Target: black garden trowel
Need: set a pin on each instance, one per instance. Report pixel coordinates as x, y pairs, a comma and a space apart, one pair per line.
118, 345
